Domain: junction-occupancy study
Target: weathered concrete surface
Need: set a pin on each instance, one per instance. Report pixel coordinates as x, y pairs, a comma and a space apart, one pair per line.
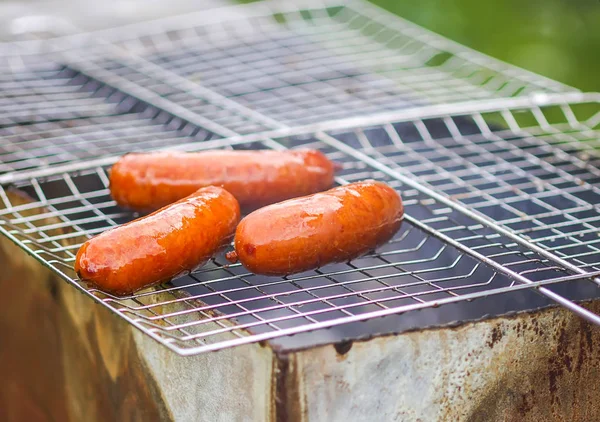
531, 367
64, 358
232, 385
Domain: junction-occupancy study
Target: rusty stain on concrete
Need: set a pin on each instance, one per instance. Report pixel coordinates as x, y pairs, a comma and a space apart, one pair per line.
289, 398
342, 348
495, 336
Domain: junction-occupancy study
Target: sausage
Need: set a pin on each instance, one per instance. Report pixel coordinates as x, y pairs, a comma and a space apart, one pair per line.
306, 233
163, 245
147, 181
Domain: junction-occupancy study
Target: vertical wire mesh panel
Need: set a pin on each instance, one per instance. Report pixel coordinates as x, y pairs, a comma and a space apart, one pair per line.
441, 255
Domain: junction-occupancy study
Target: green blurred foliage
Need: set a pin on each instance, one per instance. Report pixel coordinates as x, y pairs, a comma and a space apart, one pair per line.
556, 38
559, 39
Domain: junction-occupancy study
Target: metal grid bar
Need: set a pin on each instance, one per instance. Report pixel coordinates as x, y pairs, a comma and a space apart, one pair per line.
441, 255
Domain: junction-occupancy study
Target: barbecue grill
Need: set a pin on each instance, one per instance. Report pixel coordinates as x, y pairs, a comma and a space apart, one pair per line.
497, 168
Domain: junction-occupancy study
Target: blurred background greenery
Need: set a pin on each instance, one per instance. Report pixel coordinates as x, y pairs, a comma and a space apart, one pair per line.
559, 39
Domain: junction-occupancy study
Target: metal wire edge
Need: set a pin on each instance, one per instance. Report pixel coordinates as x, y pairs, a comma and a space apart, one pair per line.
255, 338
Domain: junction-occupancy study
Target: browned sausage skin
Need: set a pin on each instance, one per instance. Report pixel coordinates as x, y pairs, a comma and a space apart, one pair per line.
147, 181
165, 244
306, 233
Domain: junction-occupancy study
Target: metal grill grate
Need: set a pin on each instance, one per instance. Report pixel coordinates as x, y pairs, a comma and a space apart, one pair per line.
540, 183
242, 70
41, 93
443, 254
314, 61
77, 118
500, 194
259, 66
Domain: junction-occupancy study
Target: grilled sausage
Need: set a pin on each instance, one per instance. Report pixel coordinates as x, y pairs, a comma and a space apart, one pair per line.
147, 181
165, 244
306, 233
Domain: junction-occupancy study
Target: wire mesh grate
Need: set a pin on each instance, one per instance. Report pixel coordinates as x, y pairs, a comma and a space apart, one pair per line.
78, 118
41, 92
250, 68
539, 182
441, 255
302, 65
500, 195
278, 63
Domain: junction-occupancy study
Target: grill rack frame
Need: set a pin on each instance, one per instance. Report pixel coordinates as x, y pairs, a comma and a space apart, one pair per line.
273, 139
